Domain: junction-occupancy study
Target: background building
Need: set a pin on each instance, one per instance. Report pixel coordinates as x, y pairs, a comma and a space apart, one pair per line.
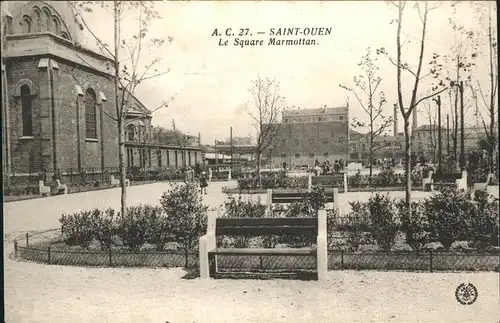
309, 134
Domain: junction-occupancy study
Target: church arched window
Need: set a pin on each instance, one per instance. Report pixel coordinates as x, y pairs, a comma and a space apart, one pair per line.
26, 106
27, 24
131, 132
56, 26
90, 114
47, 18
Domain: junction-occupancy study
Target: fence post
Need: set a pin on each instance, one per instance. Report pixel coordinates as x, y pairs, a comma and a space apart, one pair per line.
15, 248
27, 240
430, 264
260, 258
48, 253
110, 257
341, 259
186, 257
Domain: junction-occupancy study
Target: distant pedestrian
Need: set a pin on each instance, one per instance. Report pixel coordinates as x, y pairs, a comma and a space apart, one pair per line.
209, 174
203, 183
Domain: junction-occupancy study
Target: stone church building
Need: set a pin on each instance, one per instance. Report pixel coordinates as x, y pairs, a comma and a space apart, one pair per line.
57, 99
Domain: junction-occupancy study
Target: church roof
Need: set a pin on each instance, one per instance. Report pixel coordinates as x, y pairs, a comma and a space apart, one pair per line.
60, 9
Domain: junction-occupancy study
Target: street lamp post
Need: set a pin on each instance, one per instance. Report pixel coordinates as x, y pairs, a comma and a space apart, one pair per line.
462, 128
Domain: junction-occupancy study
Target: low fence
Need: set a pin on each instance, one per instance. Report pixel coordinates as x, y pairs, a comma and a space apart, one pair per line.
84, 179
30, 248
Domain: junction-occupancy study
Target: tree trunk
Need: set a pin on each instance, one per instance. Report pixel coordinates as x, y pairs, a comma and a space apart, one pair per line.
407, 164
462, 127
493, 139
440, 148
371, 161
120, 114
259, 181
455, 131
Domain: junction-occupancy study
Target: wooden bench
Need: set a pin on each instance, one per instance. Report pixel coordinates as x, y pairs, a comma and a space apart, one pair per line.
310, 226
460, 183
61, 188
328, 181
42, 189
427, 182
116, 182
288, 197
484, 186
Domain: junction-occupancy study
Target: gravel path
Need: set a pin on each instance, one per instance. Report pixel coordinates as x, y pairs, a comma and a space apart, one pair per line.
43, 293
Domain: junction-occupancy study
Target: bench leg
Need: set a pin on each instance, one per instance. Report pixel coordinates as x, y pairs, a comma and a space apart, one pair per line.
204, 267
212, 263
322, 246
207, 242
322, 259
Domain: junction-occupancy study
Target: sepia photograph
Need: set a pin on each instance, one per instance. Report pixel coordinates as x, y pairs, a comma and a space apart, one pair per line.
250, 161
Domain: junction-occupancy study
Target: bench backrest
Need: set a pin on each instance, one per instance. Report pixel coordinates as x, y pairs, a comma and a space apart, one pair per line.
328, 180
292, 197
446, 177
287, 197
262, 226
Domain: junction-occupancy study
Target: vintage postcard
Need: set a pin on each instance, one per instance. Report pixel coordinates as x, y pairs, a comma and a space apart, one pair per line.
250, 161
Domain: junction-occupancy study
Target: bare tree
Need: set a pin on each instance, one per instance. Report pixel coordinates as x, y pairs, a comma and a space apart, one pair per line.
265, 109
128, 57
372, 100
456, 68
407, 109
488, 98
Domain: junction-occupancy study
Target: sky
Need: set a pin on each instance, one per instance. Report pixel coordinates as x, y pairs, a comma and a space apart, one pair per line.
210, 83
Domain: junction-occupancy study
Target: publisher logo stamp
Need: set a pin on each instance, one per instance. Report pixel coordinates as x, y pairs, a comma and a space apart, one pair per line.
466, 294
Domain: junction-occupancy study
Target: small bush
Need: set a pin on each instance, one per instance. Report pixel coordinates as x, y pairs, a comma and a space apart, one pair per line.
386, 177
356, 180
450, 214
132, 228
485, 224
157, 232
104, 226
416, 227
77, 229
187, 216
385, 222
356, 225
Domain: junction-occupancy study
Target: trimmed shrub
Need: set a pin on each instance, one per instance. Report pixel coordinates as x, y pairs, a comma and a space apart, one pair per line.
386, 177
132, 228
416, 227
356, 225
77, 229
384, 220
104, 226
187, 216
450, 214
157, 228
356, 180
485, 224
273, 180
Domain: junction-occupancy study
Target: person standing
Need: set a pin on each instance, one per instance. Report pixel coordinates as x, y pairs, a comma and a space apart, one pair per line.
203, 183
210, 174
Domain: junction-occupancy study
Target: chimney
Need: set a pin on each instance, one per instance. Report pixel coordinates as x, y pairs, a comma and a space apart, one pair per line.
395, 130
415, 124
